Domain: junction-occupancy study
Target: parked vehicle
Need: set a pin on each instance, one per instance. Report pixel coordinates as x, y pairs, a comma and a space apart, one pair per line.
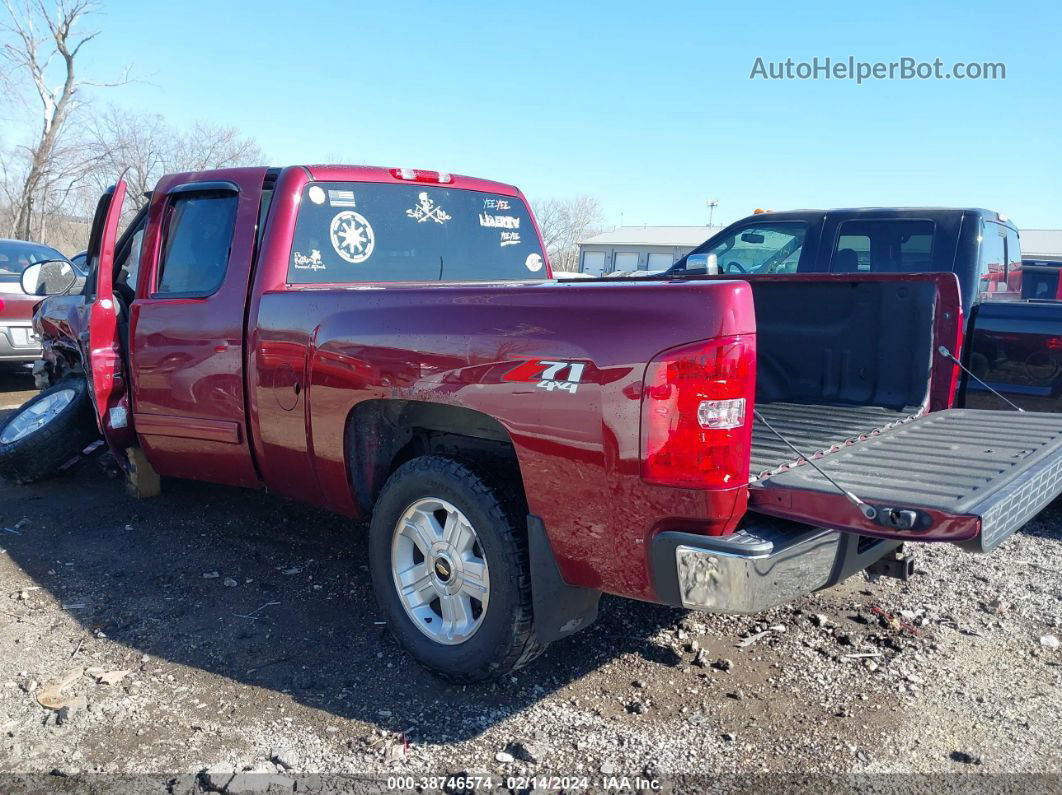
17, 343
1040, 280
1013, 347
387, 344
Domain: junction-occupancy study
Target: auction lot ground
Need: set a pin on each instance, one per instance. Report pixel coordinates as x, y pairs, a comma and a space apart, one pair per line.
253, 643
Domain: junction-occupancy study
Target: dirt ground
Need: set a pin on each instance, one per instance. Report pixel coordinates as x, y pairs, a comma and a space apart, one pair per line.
256, 659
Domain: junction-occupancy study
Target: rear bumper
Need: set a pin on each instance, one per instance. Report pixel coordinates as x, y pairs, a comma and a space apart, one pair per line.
12, 352
758, 567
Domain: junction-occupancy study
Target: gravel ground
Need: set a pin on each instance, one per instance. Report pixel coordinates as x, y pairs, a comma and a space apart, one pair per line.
219, 639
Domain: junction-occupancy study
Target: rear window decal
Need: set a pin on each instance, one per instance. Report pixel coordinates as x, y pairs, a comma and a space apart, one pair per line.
352, 236
501, 221
316, 194
427, 210
341, 198
312, 262
393, 245
533, 263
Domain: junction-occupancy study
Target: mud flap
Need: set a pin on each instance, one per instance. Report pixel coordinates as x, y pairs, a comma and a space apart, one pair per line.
966, 476
560, 609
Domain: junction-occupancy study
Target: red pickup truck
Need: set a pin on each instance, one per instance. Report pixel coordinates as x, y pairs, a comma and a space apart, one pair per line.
388, 344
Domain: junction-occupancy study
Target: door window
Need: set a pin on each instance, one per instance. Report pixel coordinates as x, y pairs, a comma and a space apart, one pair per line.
883, 246
761, 248
197, 234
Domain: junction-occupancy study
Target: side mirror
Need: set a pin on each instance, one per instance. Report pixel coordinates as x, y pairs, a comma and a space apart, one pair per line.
702, 263
51, 277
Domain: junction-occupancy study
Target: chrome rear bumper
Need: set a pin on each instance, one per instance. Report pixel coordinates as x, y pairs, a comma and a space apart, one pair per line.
17, 343
759, 567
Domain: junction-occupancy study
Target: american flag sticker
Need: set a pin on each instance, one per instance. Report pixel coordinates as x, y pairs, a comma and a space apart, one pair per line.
341, 198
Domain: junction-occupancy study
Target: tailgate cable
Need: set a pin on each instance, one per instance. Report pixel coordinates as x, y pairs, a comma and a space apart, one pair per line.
869, 511
943, 351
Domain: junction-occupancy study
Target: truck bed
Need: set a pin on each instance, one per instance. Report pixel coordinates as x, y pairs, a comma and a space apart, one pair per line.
814, 429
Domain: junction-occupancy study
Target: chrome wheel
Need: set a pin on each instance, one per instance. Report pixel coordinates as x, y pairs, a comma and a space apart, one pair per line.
36, 416
439, 571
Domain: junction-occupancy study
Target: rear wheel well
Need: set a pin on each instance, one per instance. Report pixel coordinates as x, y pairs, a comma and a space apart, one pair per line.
382, 435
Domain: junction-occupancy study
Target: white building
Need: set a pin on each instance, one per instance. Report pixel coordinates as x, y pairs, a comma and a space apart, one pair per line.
1041, 244
632, 248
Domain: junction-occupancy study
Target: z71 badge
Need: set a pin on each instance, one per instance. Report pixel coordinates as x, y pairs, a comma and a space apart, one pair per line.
546, 374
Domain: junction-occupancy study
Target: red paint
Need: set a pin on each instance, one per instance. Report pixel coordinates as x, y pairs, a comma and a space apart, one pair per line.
836, 512
107, 378
187, 353
531, 370
187, 428
17, 306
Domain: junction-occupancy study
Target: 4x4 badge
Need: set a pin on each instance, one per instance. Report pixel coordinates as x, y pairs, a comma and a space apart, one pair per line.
546, 374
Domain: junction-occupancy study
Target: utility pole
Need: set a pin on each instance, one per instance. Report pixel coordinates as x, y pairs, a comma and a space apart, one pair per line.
712, 204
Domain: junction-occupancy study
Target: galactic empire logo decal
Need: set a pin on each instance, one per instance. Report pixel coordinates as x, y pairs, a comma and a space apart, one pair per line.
545, 374
352, 236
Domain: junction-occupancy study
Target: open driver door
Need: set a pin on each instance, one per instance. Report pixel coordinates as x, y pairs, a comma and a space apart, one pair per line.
101, 343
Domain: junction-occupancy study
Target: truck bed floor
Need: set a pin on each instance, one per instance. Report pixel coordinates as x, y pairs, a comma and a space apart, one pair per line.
814, 429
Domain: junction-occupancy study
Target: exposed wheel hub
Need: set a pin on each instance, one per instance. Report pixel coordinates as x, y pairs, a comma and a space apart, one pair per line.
444, 569
439, 571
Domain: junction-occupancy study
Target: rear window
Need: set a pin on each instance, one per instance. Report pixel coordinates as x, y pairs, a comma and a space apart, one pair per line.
16, 256
373, 232
884, 246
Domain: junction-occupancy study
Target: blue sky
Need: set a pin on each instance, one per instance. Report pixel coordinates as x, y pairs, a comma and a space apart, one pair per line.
648, 106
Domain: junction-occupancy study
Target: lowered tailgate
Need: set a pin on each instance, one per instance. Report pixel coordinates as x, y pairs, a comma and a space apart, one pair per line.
960, 475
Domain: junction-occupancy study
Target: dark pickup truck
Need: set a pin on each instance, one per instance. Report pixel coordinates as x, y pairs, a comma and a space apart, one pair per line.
388, 344
1012, 346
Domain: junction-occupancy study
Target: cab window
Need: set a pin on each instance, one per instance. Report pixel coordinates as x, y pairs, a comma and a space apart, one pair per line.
883, 246
351, 232
761, 248
197, 234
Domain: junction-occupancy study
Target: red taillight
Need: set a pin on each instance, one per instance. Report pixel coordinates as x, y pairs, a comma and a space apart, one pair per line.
1054, 343
420, 175
697, 406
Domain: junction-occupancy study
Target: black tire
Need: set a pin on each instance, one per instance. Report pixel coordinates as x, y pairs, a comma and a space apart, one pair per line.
506, 639
42, 453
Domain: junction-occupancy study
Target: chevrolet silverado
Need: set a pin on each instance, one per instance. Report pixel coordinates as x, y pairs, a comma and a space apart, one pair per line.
387, 344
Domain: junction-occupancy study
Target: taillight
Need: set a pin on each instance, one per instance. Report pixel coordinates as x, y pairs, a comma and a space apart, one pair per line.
421, 175
697, 404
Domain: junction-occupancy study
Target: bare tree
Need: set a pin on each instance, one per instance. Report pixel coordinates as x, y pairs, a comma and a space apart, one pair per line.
146, 147
45, 172
564, 224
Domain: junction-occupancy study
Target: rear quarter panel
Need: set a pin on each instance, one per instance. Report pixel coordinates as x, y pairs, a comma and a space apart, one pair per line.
578, 453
